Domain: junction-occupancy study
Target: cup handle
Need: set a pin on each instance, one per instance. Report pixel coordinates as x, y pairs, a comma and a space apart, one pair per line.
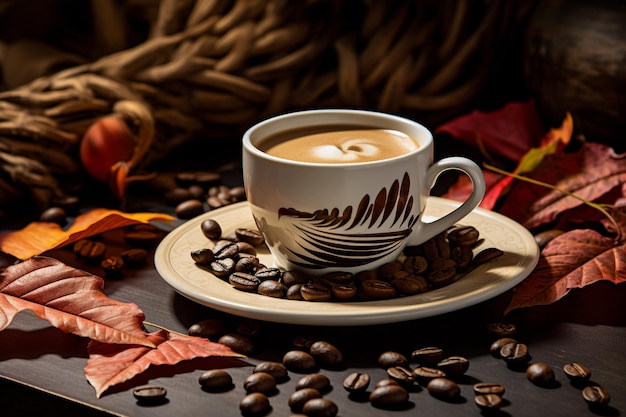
424, 231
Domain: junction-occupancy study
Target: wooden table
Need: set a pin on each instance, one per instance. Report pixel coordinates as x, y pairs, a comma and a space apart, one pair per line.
42, 368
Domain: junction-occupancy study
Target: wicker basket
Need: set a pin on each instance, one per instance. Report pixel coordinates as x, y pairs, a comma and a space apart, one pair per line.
213, 67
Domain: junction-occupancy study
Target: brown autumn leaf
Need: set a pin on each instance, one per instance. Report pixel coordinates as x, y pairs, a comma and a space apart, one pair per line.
573, 260
69, 299
39, 237
589, 173
109, 364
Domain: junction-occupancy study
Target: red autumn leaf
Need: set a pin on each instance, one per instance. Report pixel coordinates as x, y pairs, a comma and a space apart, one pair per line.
575, 259
109, 365
39, 237
69, 299
509, 131
589, 173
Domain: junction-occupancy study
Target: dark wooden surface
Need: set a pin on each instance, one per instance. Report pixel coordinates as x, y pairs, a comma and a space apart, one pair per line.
43, 367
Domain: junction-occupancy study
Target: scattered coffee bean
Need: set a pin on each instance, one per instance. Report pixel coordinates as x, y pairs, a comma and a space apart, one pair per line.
546, 237
253, 237
211, 229
427, 356
540, 374
424, 374
189, 208
320, 407
54, 215
483, 388
402, 375
326, 355
272, 288
238, 343
377, 290
496, 346
113, 266
203, 256
216, 380
502, 329
463, 235
514, 353
577, 372
276, 369
293, 277
443, 388
488, 402
222, 267
390, 359
260, 382
314, 380
386, 381
254, 404
150, 394
134, 256
389, 396
487, 255
208, 328
301, 396
454, 365
244, 282
356, 382
177, 195
315, 292
299, 361
596, 395
90, 251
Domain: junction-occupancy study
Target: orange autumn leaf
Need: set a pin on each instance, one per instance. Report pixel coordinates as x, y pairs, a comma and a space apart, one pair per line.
70, 300
109, 364
39, 237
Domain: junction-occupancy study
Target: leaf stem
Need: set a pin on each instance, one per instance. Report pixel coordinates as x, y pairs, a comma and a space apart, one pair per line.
147, 323
599, 207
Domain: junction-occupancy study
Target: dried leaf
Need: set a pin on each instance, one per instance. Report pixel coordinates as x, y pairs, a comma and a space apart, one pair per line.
69, 299
509, 131
39, 237
589, 174
575, 259
109, 365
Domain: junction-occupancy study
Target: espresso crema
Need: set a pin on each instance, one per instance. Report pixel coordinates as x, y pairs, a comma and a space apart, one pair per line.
339, 145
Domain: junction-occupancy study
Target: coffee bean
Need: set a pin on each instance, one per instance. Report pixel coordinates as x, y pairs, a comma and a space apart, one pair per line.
463, 236
247, 264
317, 381
415, 265
496, 346
272, 288
502, 329
90, 251
315, 292
483, 388
293, 277
411, 285
425, 374
443, 388
134, 256
487, 255
250, 328
224, 249
254, 404
385, 271
428, 355
177, 195
211, 229
390, 359
142, 239
54, 215
320, 407
150, 394
333, 278
222, 267
301, 396
596, 395
543, 238
189, 208
540, 374
442, 277
244, 282
215, 380
238, 343
251, 236
112, 266
386, 381
454, 365
203, 256
356, 382
488, 402
245, 247
276, 369
260, 382
326, 355
299, 361
304, 342
436, 248
208, 328
514, 353
265, 274
238, 193
377, 290
344, 292
402, 375
389, 396
294, 292
577, 372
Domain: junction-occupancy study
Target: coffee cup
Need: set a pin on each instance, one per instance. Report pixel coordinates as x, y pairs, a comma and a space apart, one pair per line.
345, 190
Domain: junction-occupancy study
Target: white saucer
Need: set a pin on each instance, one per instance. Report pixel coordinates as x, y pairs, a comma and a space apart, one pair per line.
173, 262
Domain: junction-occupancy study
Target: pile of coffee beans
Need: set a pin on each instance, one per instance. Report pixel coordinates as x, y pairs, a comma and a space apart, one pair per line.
435, 263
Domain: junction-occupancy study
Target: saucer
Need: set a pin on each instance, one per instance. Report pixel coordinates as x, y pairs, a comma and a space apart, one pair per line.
174, 264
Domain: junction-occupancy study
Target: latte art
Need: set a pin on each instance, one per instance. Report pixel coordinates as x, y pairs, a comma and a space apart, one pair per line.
341, 146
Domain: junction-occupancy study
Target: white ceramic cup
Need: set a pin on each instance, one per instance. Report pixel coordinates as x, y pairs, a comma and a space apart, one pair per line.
346, 217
